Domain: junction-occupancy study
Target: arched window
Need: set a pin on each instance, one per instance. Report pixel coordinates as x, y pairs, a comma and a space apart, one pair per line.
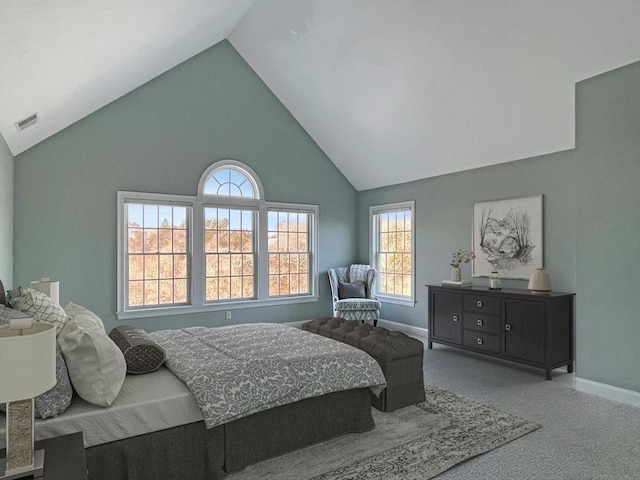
225, 248
230, 178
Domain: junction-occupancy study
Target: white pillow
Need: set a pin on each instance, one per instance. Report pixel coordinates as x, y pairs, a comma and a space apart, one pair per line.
96, 365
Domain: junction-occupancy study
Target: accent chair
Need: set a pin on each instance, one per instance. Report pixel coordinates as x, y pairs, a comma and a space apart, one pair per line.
351, 292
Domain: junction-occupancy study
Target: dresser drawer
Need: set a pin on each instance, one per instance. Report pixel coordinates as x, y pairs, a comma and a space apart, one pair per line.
482, 322
481, 341
482, 303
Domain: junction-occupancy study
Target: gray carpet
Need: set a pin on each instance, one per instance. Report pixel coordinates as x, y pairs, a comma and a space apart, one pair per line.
416, 442
584, 437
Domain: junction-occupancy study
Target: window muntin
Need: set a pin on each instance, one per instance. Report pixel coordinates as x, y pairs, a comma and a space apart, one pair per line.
393, 250
289, 253
230, 182
157, 253
230, 254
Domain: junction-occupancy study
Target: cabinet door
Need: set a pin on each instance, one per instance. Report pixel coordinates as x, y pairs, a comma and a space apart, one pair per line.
446, 321
524, 330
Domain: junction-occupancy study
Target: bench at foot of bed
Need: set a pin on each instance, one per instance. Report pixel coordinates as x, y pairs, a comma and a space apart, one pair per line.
399, 356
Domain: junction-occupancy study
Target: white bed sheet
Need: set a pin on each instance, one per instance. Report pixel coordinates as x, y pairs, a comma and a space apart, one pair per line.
147, 403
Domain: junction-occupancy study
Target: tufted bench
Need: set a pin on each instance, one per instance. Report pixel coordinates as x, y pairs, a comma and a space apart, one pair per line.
399, 356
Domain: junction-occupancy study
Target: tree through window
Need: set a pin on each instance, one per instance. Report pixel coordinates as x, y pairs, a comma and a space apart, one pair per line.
392, 230
225, 247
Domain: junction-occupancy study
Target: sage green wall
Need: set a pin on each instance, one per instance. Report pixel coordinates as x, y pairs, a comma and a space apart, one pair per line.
591, 225
444, 209
161, 138
608, 228
6, 214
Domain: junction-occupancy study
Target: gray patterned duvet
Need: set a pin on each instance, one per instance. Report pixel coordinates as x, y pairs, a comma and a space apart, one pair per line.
239, 370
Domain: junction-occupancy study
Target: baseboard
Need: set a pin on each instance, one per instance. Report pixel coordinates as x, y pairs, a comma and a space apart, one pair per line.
609, 392
418, 332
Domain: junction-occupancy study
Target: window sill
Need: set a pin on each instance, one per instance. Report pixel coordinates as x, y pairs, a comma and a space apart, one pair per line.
405, 302
214, 307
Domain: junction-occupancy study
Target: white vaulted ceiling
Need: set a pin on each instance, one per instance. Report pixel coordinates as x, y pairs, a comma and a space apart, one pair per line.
391, 90
65, 59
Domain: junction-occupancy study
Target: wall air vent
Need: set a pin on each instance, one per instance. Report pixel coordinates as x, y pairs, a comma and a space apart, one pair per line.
27, 122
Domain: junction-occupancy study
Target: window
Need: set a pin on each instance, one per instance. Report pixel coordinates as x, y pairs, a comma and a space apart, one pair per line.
229, 253
224, 248
392, 251
156, 254
289, 253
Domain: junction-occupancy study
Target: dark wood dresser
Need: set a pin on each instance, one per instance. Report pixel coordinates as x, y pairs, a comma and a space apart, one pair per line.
511, 324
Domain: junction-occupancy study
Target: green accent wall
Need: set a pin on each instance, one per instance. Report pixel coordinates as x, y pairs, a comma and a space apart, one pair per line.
608, 228
591, 225
6, 214
161, 138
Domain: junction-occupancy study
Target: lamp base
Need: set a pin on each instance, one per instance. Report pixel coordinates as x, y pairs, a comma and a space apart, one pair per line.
36, 471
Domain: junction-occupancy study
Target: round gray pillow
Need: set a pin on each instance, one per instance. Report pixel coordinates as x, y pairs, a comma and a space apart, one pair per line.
141, 353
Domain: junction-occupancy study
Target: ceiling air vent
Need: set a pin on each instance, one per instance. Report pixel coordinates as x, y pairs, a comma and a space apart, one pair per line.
27, 122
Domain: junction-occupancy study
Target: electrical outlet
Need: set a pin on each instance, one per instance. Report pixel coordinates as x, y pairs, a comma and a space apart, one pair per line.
228, 314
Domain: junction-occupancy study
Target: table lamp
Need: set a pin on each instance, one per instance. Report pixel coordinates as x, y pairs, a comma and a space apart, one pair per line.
27, 369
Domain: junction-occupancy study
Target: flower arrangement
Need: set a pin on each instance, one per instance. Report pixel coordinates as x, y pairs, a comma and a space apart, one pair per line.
461, 257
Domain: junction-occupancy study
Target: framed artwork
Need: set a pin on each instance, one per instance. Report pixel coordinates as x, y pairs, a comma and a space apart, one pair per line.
508, 233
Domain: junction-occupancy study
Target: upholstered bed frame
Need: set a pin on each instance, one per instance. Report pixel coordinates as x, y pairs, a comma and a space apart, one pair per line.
191, 451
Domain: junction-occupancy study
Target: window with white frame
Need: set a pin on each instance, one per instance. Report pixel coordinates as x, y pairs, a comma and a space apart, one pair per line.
289, 252
393, 251
224, 248
157, 253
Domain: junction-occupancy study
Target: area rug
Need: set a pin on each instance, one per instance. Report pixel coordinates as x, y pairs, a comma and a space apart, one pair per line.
413, 443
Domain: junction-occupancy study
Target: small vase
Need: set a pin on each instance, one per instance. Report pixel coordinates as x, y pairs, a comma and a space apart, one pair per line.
456, 274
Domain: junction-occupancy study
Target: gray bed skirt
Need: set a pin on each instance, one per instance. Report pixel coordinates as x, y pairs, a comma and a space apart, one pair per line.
193, 452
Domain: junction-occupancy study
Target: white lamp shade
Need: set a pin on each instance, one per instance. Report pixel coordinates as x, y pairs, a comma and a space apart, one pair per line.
27, 361
47, 286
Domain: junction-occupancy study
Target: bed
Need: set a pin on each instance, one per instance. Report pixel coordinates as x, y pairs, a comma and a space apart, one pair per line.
173, 424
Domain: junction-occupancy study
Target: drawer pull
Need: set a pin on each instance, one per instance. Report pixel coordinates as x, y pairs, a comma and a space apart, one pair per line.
455, 318
479, 303
507, 327
479, 341
480, 322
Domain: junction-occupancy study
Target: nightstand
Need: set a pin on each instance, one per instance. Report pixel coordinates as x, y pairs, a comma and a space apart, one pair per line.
64, 457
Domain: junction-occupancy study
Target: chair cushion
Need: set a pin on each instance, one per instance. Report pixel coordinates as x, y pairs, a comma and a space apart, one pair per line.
351, 290
357, 304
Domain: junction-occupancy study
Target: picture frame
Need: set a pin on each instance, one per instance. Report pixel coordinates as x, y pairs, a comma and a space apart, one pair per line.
508, 233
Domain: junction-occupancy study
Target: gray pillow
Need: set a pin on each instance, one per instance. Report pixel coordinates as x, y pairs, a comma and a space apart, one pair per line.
7, 314
141, 353
351, 290
56, 400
